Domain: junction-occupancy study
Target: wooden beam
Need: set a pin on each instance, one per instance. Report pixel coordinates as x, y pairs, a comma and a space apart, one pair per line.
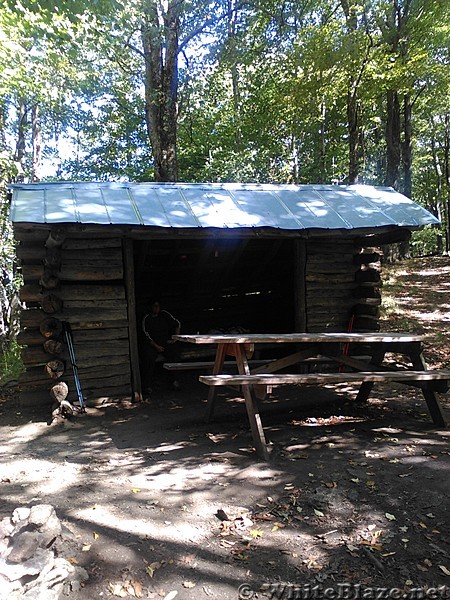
300, 317
132, 324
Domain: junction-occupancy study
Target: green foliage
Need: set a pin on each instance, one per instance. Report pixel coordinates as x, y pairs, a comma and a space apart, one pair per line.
11, 365
426, 242
263, 89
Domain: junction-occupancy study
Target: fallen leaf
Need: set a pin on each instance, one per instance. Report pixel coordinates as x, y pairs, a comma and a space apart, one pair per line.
423, 525
95, 535
318, 513
150, 570
390, 517
355, 480
171, 595
135, 490
388, 554
330, 484
117, 589
444, 569
73, 560
137, 588
188, 584
207, 591
256, 533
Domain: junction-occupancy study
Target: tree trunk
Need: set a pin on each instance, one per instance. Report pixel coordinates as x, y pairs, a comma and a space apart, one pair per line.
392, 139
353, 127
447, 182
37, 144
19, 157
160, 44
353, 137
234, 72
407, 147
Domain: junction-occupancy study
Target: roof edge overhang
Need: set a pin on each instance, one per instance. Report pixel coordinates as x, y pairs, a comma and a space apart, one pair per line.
390, 233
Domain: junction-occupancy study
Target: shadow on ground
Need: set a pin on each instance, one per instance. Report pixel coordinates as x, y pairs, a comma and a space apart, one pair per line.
155, 501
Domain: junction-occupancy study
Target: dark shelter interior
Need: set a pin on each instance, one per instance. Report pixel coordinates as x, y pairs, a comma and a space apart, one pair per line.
219, 284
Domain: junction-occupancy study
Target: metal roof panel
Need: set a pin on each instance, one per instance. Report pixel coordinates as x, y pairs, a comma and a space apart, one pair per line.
224, 206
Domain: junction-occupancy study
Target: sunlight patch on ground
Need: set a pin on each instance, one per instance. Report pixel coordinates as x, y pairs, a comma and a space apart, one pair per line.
102, 515
41, 477
436, 315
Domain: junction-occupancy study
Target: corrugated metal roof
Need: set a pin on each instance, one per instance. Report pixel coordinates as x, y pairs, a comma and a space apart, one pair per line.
228, 205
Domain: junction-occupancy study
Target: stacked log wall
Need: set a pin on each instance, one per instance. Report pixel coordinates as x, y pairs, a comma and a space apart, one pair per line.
368, 289
77, 280
343, 283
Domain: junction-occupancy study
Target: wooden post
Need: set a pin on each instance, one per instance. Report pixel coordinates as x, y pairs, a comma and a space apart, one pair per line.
300, 318
132, 324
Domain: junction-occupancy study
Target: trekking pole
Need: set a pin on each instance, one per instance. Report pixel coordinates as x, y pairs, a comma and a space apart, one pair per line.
69, 341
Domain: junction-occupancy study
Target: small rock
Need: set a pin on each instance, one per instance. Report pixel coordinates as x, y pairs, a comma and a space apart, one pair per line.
43, 517
33, 566
20, 514
40, 514
6, 528
24, 545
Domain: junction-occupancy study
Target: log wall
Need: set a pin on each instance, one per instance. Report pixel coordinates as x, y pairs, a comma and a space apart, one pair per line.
343, 284
78, 280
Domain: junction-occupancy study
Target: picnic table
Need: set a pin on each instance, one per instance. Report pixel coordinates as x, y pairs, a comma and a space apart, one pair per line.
365, 370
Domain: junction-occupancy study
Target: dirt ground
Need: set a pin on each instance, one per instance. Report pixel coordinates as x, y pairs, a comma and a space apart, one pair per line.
158, 504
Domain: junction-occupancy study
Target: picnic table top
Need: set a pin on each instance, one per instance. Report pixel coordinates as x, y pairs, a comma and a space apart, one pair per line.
262, 338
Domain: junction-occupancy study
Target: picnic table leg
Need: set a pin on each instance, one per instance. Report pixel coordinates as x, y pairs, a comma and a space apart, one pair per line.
256, 427
251, 405
366, 386
218, 365
434, 407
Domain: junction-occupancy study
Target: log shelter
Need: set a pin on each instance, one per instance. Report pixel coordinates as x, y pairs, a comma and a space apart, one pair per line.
263, 258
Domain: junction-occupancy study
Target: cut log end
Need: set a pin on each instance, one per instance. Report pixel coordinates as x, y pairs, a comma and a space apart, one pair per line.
54, 369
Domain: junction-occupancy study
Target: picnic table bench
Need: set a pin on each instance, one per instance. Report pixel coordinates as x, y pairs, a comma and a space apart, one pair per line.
365, 370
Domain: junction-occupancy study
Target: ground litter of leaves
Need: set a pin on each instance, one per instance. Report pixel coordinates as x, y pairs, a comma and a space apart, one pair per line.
158, 504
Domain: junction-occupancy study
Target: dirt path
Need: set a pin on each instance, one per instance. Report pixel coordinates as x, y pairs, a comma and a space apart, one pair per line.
157, 504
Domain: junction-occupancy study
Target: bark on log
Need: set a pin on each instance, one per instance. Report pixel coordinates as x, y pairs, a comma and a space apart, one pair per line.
47, 278
88, 256
54, 347
81, 336
33, 293
40, 399
55, 238
79, 318
37, 376
89, 243
35, 355
54, 369
51, 303
52, 258
59, 391
77, 273
50, 327
380, 239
